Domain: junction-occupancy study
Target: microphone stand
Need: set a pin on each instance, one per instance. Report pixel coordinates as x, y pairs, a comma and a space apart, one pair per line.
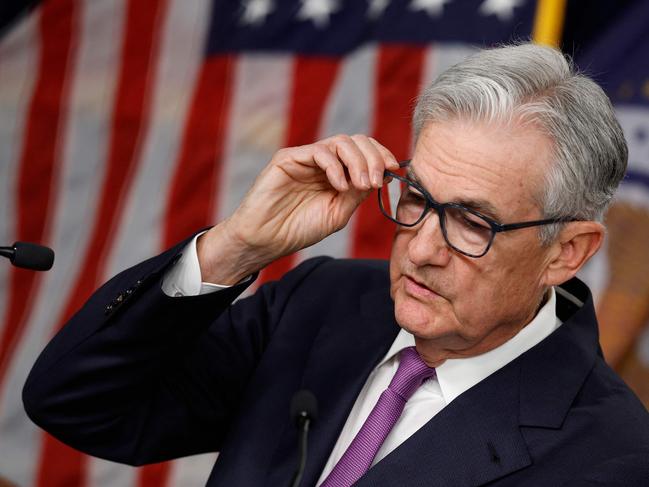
304, 410
303, 432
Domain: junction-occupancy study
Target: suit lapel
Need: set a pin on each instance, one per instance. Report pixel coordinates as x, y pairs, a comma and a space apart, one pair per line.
342, 357
479, 437
553, 371
474, 440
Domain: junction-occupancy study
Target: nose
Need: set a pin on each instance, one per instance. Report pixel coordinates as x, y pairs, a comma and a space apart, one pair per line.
428, 246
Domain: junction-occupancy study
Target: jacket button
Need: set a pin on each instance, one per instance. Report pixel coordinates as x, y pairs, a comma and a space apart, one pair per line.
109, 309
119, 298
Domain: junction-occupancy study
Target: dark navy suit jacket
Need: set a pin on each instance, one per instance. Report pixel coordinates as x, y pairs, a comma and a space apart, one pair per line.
139, 377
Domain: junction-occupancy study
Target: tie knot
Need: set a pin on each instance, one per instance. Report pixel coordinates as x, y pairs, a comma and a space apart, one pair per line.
411, 373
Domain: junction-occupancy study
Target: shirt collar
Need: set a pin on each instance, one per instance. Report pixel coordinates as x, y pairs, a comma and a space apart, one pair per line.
458, 375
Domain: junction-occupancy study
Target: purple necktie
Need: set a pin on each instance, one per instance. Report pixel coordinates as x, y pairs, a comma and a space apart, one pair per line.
358, 458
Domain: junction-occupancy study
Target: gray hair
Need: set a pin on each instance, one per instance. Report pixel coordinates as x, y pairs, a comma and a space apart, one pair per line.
529, 83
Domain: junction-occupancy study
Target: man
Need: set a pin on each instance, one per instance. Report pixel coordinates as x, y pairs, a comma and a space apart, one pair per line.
515, 162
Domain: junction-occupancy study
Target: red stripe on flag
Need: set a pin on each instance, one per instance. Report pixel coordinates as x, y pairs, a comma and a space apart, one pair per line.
399, 77
60, 465
156, 475
193, 194
39, 161
313, 79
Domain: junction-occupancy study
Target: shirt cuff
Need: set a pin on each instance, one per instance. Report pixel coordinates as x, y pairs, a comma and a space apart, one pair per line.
184, 277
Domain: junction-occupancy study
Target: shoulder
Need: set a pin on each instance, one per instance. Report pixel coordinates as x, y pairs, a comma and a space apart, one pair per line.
609, 418
345, 272
326, 281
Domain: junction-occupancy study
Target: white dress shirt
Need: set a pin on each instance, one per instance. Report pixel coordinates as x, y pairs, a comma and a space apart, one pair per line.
452, 378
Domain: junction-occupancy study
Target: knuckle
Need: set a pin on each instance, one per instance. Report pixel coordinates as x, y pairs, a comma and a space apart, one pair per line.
283, 153
342, 139
380, 147
322, 154
320, 149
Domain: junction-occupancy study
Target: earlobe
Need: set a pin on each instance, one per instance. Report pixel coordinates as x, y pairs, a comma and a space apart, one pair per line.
574, 246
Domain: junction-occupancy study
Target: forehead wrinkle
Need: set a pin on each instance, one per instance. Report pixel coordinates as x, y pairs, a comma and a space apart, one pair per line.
478, 204
468, 160
482, 162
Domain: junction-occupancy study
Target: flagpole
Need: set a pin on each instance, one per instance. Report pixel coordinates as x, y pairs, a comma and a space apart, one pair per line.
548, 22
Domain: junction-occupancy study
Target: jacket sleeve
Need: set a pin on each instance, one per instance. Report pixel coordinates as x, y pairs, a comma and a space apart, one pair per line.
138, 377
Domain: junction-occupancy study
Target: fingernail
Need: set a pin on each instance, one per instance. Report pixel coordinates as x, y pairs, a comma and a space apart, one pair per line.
376, 180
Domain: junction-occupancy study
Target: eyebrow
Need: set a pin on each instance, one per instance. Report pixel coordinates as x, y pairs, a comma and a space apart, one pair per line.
482, 206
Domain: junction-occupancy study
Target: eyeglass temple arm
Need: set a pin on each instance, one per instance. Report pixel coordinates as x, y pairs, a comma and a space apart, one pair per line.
535, 223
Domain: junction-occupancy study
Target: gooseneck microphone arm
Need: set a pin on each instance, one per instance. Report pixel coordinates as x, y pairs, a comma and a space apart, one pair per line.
304, 410
29, 256
302, 450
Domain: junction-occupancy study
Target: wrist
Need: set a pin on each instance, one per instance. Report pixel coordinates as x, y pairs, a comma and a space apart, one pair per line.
225, 258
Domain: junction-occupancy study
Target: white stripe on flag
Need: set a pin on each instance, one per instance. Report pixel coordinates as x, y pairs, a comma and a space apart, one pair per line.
350, 111
19, 53
139, 234
258, 118
440, 57
18, 56
83, 149
192, 471
102, 473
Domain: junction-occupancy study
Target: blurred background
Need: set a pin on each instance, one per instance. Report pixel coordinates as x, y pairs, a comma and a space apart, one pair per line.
126, 125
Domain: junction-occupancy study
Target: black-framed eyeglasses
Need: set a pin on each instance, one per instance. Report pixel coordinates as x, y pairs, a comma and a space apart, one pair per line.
466, 230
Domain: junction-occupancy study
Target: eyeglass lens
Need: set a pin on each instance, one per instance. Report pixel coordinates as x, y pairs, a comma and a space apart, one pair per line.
465, 231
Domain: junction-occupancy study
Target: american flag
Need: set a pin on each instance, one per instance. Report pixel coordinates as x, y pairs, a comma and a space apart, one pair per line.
126, 125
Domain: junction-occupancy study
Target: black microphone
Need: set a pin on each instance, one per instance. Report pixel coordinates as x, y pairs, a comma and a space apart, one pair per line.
29, 256
304, 410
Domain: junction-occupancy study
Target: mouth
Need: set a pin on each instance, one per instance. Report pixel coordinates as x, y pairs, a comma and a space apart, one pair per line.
419, 290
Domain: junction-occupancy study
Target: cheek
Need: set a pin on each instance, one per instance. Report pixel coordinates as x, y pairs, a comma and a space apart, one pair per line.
505, 289
398, 253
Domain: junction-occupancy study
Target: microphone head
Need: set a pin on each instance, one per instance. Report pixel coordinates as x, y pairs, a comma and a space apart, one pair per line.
32, 256
304, 405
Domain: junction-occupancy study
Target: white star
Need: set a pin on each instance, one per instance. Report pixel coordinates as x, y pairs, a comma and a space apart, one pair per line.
376, 8
434, 8
503, 9
256, 11
317, 11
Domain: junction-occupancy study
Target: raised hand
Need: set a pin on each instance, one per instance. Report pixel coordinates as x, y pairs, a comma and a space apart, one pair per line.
303, 195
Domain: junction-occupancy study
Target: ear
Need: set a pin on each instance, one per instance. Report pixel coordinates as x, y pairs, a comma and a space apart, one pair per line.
577, 242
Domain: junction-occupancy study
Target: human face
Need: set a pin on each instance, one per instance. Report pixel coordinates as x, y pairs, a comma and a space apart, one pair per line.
458, 306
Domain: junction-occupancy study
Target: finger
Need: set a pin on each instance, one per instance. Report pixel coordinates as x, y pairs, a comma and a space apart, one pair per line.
317, 155
326, 160
353, 159
375, 160
388, 157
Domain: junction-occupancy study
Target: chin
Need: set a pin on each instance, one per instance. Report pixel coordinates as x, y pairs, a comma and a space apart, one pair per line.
424, 320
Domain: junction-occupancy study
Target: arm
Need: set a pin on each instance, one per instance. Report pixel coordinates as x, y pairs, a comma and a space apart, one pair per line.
137, 376
158, 378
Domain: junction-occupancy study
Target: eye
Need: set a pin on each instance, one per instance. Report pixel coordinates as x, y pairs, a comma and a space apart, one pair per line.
414, 196
473, 222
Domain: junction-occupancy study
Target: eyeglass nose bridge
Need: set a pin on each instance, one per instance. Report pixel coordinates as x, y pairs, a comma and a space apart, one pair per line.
433, 207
